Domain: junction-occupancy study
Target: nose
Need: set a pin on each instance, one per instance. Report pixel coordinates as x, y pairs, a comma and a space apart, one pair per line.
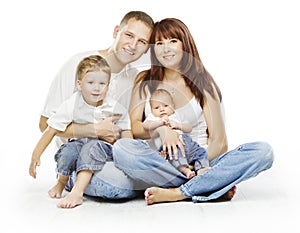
133, 43
166, 47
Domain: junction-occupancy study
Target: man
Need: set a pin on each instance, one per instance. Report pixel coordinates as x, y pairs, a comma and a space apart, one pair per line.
131, 41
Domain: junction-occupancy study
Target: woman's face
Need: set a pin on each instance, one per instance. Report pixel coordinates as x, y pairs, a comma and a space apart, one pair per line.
169, 52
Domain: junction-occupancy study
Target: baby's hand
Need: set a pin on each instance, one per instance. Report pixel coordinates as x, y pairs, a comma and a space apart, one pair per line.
175, 125
32, 168
165, 120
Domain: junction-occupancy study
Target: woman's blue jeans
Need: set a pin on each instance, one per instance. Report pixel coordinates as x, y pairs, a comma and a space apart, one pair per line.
147, 168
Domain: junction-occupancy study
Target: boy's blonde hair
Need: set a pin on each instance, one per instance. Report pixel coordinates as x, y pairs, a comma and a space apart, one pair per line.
91, 64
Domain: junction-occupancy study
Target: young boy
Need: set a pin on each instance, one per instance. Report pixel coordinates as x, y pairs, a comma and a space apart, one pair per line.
163, 113
87, 105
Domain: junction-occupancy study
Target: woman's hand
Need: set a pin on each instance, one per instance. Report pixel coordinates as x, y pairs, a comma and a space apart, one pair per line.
171, 142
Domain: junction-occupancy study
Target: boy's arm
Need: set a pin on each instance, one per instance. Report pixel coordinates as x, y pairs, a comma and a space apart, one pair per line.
42, 144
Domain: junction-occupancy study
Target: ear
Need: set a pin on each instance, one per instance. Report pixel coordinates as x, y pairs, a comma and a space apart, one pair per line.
78, 84
116, 30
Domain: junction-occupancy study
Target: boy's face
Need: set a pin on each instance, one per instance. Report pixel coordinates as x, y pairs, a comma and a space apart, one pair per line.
162, 107
131, 41
94, 87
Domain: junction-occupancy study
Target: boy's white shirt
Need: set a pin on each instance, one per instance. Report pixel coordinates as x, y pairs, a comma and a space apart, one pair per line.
75, 109
64, 85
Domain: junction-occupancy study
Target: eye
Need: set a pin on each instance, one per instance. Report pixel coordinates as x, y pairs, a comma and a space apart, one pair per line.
173, 41
129, 35
158, 43
142, 42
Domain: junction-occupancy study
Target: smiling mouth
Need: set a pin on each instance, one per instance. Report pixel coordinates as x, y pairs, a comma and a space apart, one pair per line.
128, 51
168, 57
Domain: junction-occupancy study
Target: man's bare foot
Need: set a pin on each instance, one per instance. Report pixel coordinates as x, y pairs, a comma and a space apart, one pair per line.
187, 172
56, 190
202, 170
72, 200
156, 195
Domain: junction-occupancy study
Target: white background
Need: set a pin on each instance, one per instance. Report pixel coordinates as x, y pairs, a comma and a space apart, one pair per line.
251, 48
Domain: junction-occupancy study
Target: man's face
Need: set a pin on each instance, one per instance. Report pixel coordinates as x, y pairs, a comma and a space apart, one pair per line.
131, 41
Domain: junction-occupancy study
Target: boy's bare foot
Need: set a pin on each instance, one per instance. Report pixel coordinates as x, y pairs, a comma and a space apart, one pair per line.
202, 170
155, 195
72, 200
187, 172
57, 189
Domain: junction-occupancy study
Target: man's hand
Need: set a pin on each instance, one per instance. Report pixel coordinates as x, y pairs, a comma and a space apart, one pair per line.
107, 131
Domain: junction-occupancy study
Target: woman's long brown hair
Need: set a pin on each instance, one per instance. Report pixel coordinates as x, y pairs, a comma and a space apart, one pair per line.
193, 71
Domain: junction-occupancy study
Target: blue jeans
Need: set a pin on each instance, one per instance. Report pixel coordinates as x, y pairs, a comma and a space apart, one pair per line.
194, 155
147, 168
94, 154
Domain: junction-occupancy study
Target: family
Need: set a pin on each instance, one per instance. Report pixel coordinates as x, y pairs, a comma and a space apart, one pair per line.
122, 131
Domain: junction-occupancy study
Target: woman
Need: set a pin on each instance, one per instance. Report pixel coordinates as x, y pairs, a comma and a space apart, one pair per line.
177, 67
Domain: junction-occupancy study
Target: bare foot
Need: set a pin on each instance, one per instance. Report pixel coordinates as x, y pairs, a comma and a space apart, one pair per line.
56, 190
202, 170
72, 200
187, 172
155, 195
228, 195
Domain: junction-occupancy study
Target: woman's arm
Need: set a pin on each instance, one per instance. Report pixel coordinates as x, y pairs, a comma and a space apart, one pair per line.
137, 106
217, 139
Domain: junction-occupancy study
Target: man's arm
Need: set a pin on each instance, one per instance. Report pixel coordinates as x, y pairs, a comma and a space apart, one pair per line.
105, 130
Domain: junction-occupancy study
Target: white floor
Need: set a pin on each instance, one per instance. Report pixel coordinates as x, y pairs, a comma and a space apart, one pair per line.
266, 203
250, 47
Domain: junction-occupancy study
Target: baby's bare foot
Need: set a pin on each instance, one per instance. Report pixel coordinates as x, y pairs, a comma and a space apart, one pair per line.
72, 200
202, 170
187, 172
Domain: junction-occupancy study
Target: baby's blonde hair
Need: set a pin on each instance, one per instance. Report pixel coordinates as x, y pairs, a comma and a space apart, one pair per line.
158, 93
91, 64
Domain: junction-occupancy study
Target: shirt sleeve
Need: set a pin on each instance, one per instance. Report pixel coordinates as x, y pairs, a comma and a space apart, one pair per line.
64, 115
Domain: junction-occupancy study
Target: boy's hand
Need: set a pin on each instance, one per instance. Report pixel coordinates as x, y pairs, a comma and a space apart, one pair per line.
32, 168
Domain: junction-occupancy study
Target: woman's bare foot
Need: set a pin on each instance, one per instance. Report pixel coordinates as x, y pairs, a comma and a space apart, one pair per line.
57, 189
187, 172
230, 194
72, 200
156, 195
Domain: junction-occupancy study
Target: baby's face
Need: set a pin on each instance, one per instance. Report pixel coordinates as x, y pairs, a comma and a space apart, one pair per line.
161, 108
